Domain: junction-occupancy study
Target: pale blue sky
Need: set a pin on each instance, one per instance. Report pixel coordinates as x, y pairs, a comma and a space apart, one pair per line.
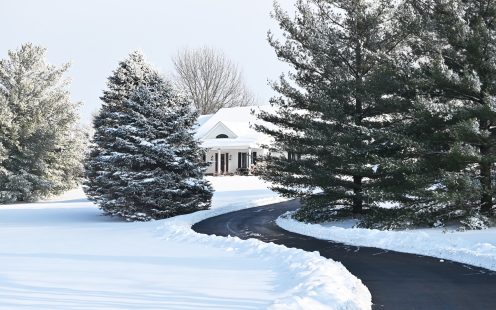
95, 34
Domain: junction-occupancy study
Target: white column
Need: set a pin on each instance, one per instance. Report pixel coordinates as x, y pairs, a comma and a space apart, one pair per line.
218, 162
249, 160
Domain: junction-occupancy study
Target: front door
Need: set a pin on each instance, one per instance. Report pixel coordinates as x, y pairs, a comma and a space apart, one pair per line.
224, 163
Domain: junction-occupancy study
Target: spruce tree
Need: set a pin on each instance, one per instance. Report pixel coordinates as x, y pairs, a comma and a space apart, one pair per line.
336, 109
41, 145
144, 162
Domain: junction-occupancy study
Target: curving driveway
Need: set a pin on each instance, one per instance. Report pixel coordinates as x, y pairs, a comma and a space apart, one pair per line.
396, 280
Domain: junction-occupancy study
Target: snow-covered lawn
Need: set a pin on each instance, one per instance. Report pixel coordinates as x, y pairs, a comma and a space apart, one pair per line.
62, 254
475, 247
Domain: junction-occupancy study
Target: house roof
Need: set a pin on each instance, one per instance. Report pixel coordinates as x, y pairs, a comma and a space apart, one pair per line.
238, 120
202, 119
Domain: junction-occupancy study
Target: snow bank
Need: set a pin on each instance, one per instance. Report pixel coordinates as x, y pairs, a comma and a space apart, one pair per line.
475, 247
63, 254
310, 281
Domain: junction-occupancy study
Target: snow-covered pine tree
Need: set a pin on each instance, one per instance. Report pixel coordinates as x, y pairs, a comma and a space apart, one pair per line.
337, 112
144, 162
456, 114
41, 146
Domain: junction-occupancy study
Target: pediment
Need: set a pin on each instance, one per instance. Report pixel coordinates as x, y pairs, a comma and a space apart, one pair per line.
219, 129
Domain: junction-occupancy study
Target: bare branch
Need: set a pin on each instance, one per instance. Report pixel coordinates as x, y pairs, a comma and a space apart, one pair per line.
211, 80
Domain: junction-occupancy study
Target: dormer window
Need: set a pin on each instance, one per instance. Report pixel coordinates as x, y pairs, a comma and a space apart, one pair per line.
221, 136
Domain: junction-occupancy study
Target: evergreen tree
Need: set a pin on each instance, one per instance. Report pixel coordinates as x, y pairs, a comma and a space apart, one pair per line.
337, 113
144, 162
41, 146
456, 116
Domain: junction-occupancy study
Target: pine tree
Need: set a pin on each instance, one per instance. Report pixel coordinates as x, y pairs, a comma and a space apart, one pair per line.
337, 112
41, 146
144, 162
456, 112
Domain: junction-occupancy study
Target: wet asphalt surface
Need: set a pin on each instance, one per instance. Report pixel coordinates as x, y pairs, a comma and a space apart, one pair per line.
395, 280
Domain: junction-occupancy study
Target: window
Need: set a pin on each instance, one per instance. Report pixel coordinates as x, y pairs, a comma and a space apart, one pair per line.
221, 136
242, 160
293, 156
254, 158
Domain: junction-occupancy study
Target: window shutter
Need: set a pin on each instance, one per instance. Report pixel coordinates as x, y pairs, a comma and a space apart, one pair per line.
239, 159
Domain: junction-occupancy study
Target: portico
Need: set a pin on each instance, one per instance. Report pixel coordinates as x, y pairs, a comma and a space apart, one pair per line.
238, 160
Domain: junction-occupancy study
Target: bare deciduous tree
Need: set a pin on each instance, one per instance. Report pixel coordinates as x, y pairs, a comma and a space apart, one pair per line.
211, 80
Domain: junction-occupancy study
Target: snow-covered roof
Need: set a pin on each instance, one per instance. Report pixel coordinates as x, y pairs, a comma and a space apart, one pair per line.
236, 123
202, 119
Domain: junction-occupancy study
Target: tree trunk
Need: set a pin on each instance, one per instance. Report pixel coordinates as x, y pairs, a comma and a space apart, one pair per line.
485, 179
357, 180
486, 197
357, 198
485, 166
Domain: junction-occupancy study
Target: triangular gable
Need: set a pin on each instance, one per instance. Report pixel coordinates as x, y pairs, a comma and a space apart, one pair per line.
217, 129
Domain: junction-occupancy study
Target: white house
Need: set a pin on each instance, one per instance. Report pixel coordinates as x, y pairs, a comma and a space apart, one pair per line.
233, 145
